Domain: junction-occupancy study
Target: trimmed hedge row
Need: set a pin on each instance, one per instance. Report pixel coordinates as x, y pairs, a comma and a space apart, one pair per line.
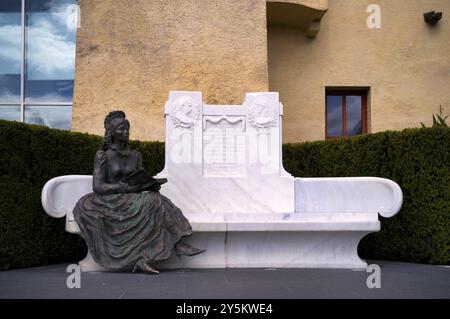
30, 156
417, 159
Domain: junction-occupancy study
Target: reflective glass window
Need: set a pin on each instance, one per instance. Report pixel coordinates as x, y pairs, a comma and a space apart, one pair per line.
50, 51
353, 106
52, 116
334, 116
10, 113
346, 113
10, 50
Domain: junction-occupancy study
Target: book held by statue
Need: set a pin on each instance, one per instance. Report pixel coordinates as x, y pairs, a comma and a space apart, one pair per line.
143, 178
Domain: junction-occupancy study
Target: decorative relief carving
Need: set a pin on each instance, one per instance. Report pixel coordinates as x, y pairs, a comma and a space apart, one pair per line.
185, 112
224, 146
262, 114
228, 119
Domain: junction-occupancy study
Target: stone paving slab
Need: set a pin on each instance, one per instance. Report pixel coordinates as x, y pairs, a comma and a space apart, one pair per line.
398, 280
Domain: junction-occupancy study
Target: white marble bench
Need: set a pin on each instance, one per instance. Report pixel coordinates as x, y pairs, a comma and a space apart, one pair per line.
331, 216
225, 172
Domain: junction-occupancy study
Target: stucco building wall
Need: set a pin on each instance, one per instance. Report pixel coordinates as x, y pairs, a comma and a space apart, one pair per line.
406, 64
130, 54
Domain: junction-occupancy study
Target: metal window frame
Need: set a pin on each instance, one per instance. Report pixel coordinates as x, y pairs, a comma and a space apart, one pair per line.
22, 64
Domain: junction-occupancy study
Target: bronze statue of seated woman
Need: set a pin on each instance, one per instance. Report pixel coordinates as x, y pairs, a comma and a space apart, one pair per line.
127, 224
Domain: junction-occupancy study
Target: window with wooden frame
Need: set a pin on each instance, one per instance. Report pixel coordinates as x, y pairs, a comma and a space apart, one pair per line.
345, 113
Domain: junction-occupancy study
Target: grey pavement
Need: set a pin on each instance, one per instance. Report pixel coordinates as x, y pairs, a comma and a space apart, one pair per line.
398, 280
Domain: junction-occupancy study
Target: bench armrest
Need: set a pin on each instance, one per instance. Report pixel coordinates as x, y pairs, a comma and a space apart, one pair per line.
348, 195
60, 194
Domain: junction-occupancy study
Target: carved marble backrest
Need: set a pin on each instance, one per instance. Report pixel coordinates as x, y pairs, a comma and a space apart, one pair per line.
226, 158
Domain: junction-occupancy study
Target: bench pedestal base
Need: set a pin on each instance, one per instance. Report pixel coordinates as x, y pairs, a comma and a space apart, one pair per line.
323, 249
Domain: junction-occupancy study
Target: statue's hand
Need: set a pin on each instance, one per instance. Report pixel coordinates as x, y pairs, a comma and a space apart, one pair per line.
126, 188
155, 188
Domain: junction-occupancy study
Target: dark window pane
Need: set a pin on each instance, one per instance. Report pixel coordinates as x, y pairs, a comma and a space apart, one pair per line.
48, 5
10, 5
10, 35
9, 88
353, 106
50, 51
45, 91
52, 116
10, 113
334, 116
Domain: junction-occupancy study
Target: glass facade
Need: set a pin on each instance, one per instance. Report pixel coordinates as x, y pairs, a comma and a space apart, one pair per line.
37, 61
10, 53
10, 112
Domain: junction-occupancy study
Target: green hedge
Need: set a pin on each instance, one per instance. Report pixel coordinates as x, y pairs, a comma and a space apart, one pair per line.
417, 159
30, 156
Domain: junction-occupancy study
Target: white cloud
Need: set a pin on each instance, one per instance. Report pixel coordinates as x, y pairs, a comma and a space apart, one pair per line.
51, 48
52, 116
49, 97
10, 49
7, 96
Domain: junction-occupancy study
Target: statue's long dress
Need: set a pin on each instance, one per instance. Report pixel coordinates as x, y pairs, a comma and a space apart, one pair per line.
120, 229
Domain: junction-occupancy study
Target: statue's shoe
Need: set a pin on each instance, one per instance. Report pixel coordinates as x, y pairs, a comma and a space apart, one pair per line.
144, 267
183, 249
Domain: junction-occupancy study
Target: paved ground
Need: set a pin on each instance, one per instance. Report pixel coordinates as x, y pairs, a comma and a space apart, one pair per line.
398, 280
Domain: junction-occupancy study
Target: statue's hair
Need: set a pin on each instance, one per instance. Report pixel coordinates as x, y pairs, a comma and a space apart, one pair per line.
108, 138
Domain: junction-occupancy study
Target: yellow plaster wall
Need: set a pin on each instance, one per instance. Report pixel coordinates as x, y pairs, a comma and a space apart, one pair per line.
131, 53
406, 64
